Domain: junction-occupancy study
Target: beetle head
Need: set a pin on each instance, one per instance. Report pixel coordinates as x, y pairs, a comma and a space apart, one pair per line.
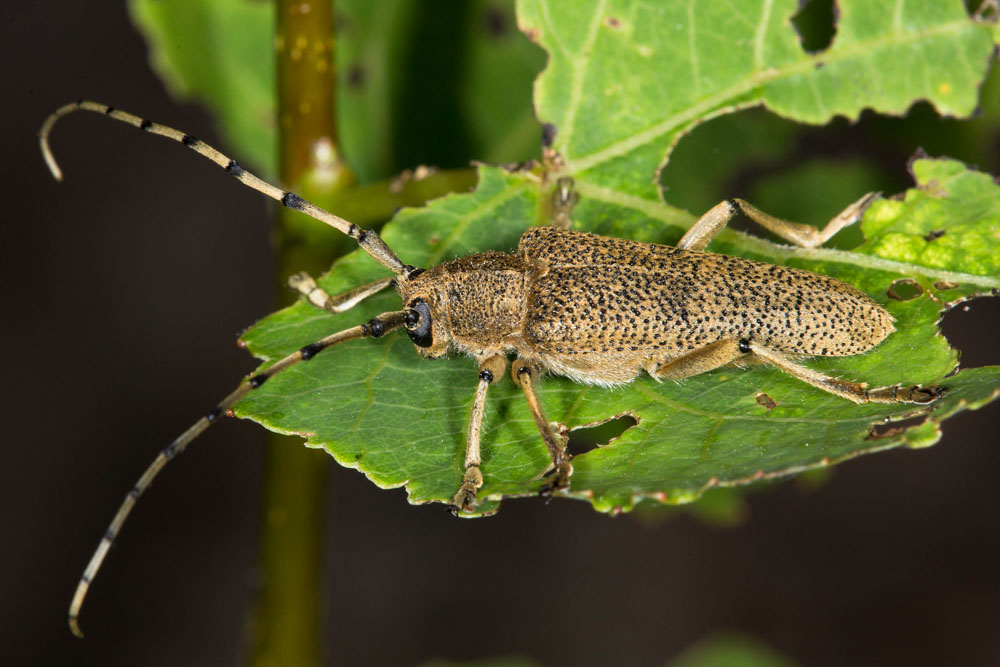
424, 295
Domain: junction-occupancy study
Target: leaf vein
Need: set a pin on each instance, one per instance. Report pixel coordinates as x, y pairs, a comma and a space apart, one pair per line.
580, 65
760, 35
676, 217
743, 86
692, 48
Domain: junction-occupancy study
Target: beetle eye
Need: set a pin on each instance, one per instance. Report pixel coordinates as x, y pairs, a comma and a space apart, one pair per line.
418, 325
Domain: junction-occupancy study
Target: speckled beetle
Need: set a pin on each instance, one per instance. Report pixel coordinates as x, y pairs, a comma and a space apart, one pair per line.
597, 310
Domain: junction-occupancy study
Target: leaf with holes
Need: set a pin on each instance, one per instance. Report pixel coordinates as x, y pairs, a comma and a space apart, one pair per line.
623, 83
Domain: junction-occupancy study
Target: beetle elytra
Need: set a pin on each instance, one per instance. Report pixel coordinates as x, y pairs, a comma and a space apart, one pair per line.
597, 310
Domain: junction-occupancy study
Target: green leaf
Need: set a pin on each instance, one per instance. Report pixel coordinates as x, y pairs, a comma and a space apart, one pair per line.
910, 230
401, 420
502, 127
626, 79
622, 84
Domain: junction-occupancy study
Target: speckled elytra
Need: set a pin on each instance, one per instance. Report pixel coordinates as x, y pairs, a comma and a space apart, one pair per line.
597, 310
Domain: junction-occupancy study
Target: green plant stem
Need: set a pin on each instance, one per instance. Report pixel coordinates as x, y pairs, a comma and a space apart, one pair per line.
286, 622
287, 618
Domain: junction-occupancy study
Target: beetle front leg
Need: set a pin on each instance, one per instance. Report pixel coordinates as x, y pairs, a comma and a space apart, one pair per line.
524, 374
464, 499
807, 236
306, 285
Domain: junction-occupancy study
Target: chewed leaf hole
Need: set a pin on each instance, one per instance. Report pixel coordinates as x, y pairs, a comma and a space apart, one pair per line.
815, 25
889, 429
585, 438
970, 327
904, 290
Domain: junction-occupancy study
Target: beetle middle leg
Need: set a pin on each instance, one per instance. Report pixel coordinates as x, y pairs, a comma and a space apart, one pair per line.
708, 225
524, 376
464, 499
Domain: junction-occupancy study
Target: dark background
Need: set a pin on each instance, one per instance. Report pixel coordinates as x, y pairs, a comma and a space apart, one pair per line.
125, 288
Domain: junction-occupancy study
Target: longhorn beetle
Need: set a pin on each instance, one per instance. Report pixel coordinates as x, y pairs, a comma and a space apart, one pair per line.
597, 310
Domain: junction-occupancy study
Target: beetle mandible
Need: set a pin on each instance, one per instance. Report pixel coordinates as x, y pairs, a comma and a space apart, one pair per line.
597, 310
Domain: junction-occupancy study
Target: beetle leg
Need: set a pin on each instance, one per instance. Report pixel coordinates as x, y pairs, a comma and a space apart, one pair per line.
807, 236
852, 391
700, 361
720, 353
305, 285
524, 375
464, 499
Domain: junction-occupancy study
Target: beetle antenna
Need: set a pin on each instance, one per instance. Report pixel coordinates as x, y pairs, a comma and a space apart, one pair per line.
369, 241
374, 328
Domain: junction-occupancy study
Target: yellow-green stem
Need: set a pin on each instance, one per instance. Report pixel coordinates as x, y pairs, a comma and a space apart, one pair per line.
285, 629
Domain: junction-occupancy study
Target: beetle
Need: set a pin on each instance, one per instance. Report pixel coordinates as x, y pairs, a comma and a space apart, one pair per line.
595, 309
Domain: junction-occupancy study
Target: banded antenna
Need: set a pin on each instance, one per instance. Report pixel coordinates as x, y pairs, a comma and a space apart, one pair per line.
378, 326
369, 241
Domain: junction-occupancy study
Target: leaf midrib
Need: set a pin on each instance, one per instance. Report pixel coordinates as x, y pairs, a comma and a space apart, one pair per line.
676, 217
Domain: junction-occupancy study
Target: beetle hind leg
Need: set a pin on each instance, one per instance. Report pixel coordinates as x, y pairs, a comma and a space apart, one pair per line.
852, 391
555, 439
724, 352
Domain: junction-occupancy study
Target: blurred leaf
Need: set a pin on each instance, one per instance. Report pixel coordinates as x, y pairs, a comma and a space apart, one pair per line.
705, 161
730, 650
501, 65
371, 41
486, 662
720, 507
418, 82
622, 85
219, 53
